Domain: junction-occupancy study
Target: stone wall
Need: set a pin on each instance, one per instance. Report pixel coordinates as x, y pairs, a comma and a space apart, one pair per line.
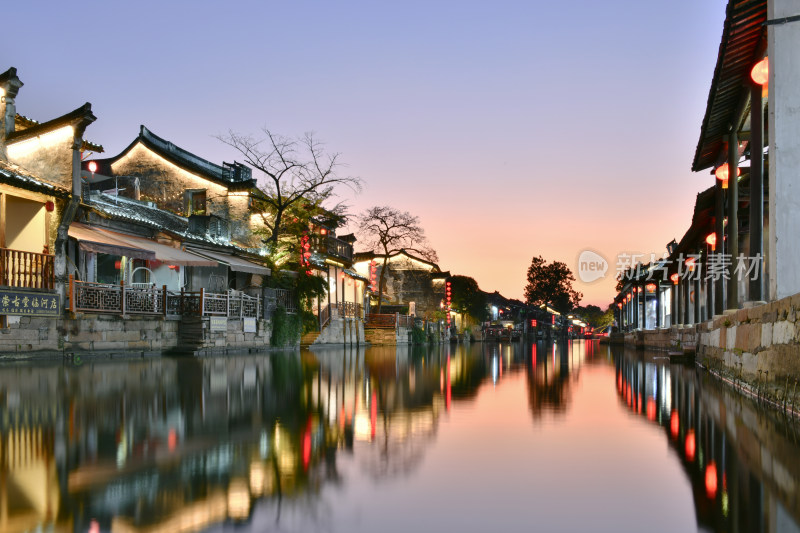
759, 346
388, 336
32, 336
342, 331
101, 333
235, 340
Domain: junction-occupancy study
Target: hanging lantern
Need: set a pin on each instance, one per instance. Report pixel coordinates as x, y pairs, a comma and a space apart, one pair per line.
760, 72
49, 206
722, 174
675, 278
711, 240
92, 166
651, 287
690, 263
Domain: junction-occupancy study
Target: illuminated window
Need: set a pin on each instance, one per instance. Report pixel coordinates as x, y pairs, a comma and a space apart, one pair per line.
195, 202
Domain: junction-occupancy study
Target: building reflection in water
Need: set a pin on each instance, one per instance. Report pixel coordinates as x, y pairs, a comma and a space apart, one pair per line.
182, 445
741, 458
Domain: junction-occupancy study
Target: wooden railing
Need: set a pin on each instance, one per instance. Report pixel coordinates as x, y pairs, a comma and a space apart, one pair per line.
330, 245
375, 320
26, 269
124, 300
324, 316
348, 309
405, 321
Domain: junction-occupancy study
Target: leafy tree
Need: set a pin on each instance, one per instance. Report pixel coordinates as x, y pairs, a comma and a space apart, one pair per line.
298, 177
551, 284
467, 298
386, 230
595, 316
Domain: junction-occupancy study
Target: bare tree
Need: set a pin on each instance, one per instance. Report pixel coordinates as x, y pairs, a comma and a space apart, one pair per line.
298, 177
387, 231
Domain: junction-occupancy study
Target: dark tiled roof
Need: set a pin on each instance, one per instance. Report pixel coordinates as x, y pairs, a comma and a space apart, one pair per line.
81, 115
14, 175
180, 157
742, 44
138, 212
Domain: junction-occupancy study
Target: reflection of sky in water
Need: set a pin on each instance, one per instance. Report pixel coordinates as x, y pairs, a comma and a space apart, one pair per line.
485, 437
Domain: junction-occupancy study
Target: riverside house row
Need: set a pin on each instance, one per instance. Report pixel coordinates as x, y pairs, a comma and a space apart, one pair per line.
153, 249
729, 289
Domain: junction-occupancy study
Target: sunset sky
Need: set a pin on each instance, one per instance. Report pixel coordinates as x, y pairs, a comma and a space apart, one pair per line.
512, 129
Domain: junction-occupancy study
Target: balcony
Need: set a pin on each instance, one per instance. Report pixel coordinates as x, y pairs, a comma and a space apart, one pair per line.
27, 270
333, 247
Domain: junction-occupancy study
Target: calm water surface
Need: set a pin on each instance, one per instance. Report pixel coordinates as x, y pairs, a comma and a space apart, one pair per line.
487, 437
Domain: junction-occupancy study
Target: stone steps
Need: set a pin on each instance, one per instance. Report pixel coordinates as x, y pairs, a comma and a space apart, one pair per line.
309, 338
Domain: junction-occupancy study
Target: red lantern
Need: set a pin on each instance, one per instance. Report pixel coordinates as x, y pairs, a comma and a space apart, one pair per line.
92, 166
760, 72
711, 240
533, 323
323, 231
117, 264
675, 278
49, 206
722, 174
691, 262
651, 287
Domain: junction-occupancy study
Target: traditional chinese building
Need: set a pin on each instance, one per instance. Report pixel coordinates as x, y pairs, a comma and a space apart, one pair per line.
39, 197
411, 283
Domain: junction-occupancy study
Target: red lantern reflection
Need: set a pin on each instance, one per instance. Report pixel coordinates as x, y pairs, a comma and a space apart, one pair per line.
307, 445
711, 480
691, 445
373, 415
674, 424
675, 278
651, 409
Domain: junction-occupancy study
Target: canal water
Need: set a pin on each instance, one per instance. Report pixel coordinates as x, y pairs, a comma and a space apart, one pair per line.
482, 437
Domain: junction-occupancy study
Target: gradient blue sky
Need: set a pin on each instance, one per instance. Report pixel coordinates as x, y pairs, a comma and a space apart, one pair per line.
512, 129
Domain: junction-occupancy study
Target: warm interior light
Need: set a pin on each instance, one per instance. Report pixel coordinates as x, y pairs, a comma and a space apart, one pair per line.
711, 240
760, 72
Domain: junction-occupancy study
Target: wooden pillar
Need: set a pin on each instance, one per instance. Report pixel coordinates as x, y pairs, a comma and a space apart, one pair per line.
719, 216
757, 192
658, 305
733, 219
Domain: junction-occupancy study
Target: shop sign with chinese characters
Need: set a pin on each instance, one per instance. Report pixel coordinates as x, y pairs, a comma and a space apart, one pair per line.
29, 303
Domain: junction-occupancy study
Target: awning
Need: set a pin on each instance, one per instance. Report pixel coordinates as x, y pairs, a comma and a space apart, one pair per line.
131, 246
92, 240
237, 264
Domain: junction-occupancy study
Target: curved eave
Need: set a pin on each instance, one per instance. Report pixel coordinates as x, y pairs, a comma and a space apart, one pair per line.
742, 41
